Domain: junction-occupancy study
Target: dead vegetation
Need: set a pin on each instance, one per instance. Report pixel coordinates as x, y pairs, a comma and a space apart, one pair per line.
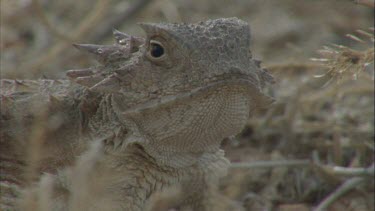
312, 150
318, 137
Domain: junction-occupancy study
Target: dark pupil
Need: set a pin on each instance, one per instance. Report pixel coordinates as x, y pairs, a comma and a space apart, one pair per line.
156, 50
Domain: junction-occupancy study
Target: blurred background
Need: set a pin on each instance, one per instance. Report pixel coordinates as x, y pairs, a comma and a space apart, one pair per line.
320, 52
36, 35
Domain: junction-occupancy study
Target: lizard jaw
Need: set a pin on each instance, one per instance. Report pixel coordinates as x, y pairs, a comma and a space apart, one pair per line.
166, 101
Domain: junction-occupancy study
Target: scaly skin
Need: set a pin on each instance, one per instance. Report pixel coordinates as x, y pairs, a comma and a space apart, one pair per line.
149, 118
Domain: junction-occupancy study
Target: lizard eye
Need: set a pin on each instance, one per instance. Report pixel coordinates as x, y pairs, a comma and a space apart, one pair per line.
158, 52
156, 49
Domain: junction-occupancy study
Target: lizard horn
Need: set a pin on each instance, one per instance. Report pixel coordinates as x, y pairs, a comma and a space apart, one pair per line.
123, 39
106, 53
102, 53
90, 48
120, 37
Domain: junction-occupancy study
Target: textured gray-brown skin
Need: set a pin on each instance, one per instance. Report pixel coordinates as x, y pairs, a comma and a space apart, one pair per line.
154, 119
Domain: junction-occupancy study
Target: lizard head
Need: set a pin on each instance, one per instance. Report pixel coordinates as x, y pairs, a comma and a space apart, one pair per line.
172, 59
184, 86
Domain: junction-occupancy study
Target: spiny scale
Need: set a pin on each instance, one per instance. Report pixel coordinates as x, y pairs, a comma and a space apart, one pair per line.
123, 38
120, 37
102, 53
95, 78
107, 53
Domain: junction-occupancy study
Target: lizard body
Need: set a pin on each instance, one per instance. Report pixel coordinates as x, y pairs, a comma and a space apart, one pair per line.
151, 116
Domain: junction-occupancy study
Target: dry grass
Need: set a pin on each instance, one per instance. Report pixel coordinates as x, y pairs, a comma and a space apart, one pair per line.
313, 149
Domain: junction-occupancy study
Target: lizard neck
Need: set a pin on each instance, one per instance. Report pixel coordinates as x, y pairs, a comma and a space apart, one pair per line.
179, 133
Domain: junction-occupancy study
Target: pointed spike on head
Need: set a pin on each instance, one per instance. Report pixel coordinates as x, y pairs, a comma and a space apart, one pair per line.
90, 48
123, 39
102, 53
18, 82
149, 28
120, 37
119, 34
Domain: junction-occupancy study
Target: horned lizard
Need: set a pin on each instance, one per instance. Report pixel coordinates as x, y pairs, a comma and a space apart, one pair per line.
150, 116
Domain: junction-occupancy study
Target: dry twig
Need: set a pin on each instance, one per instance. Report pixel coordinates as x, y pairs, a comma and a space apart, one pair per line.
340, 191
272, 164
349, 171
